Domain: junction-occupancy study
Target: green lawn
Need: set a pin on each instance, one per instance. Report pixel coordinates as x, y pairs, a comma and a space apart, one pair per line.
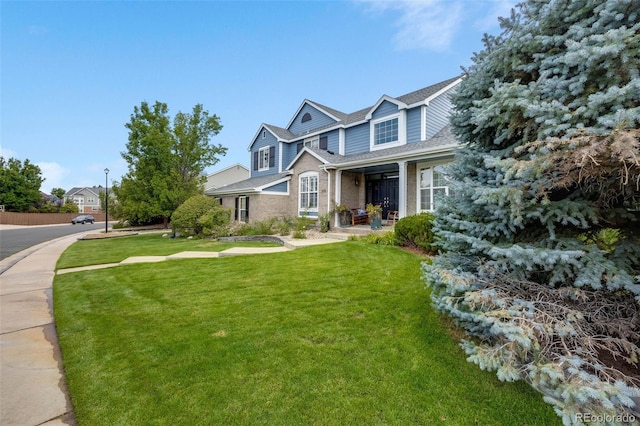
113, 250
330, 335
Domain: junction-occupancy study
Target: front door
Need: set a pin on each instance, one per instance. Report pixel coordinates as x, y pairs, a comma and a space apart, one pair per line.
384, 192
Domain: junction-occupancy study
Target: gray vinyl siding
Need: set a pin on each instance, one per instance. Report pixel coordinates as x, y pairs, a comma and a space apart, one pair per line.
357, 139
318, 119
384, 109
413, 125
438, 113
280, 187
261, 142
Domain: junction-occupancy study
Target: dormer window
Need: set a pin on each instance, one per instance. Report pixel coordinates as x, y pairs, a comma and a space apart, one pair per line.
385, 131
388, 131
306, 117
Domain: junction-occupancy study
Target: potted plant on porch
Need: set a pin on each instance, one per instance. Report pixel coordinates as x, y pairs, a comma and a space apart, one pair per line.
343, 211
375, 215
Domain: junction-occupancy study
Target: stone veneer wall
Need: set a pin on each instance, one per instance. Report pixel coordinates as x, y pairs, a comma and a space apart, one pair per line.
412, 188
265, 206
261, 206
352, 196
308, 163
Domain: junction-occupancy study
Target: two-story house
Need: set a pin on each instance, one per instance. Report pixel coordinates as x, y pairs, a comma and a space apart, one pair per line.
87, 198
226, 176
386, 154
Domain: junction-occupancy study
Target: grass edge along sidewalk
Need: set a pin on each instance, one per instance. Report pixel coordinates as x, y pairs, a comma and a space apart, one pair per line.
333, 334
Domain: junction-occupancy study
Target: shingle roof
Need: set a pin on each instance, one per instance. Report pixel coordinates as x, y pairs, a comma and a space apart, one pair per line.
280, 132
96, 190
341, 115
360, 115
248, 185
424, 93
443, 138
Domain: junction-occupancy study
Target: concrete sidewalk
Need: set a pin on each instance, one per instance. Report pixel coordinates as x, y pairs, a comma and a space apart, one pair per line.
32, 385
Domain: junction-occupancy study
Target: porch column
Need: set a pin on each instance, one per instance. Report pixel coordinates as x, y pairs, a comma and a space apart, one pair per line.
402, 188
338, 186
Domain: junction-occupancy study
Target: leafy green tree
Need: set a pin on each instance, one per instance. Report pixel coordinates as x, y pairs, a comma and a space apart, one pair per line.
19, 185
542, 255
58, 193
166, 163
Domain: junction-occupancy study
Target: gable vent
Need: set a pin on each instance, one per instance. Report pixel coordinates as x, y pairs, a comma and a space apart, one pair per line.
306, 117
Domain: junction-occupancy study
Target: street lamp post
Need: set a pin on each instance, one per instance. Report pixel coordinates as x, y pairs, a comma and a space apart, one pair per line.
106, 200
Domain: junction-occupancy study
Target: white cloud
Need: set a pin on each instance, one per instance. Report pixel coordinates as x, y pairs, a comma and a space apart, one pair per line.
54, 175
433, 24
423, 24
8, 153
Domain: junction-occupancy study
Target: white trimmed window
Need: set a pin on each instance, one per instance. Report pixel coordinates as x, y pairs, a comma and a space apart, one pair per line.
433, 184
313, 142
243, 209
385, 131
388, 131
308, 192
263, 159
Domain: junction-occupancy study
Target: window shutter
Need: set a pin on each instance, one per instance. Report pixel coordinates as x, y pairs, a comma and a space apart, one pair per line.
255, 161
247, 203
323, 143
237, 213
299, 147
272, 156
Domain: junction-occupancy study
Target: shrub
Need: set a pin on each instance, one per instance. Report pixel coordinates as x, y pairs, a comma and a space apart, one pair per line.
215, 222
48, 208
324, 221
263, 227
417, 232
284, 226
200, 215
386, 239
121, 224
300, 226
69, 208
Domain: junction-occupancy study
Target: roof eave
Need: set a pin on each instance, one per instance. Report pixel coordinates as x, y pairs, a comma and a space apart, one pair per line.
411, 155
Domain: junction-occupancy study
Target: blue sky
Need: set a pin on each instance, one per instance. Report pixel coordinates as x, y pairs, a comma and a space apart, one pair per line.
72, 72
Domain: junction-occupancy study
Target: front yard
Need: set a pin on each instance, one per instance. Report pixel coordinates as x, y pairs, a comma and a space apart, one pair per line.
335, 334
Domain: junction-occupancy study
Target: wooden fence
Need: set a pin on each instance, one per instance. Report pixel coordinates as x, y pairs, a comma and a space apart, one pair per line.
12, 218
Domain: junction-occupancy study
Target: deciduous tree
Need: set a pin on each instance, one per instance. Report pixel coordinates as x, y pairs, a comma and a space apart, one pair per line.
19, 185
165, 162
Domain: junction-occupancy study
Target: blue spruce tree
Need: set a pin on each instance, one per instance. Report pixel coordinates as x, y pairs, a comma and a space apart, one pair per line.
541, 248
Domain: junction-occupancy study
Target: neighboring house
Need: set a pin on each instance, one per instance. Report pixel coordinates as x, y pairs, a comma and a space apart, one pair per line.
224, 177
386, 154
87, 199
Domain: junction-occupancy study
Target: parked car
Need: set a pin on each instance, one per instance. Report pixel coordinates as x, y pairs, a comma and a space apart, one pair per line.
85, 218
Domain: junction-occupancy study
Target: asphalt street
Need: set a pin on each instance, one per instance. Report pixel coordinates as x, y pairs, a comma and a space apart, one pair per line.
14, 240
